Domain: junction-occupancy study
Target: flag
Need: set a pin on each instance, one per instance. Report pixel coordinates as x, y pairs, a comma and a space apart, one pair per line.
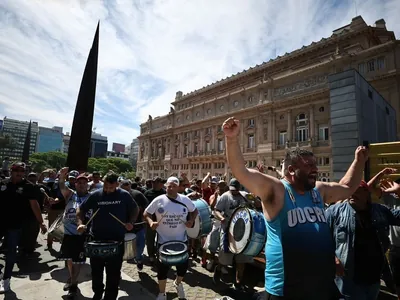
81, 133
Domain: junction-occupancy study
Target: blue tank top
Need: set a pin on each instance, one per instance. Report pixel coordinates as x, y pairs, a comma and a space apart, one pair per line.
69, 218
299, 251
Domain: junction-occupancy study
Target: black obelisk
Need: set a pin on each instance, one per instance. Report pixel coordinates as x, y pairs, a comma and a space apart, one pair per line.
79, 145
27, 144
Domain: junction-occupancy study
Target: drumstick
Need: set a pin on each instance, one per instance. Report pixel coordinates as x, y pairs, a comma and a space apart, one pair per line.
91, 218
43, 191
122, 223
162, 217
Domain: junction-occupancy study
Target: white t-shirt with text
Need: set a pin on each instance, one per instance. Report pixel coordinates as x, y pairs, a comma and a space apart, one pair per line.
172, 226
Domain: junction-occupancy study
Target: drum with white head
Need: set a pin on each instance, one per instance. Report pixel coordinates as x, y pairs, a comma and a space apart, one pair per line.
173, 253
247, 232
203, 223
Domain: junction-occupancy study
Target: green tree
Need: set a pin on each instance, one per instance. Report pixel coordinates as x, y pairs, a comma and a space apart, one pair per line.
55, 160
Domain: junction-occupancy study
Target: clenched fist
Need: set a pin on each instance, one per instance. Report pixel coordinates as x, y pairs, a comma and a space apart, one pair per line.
361, 154
231, 127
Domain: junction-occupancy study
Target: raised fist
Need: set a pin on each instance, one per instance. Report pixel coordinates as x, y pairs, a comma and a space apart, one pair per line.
361, 154
231, 127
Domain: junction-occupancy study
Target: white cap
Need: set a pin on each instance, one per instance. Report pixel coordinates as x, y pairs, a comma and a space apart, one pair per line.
173, 180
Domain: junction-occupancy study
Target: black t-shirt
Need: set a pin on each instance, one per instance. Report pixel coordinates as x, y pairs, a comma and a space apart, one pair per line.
104, 227
152, 194
15, 203
142, 203
55, 192
368, 253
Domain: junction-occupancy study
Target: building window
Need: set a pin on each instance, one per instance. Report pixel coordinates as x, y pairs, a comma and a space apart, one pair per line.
251, 141
196, 133
323, 161
301, 128
208, 131
371, 65
195, 148
361, 68
236, 103
185, 149
321, 109
324, 176
282, 137
251, 123
208, 146
323, 133
380, 63
220, 145
176, 151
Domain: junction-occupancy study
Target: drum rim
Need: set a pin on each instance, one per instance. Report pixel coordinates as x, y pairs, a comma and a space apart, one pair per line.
174, 242
251, 227
129, 234
200, 219
108, 243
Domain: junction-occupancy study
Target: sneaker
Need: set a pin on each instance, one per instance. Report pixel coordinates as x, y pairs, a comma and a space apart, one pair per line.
161, 297
217, 275
73, 289
139, 265
67, 285
180, 290
4, 285
210, 265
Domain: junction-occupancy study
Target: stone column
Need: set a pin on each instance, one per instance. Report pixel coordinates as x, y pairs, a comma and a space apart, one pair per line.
259, 130
242, 137
289, 126
311, 122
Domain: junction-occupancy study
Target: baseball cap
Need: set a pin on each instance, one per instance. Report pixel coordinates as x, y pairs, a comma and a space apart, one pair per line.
18, 166
214, 179
173, 179
157, 179
82, 176
73, 174
221, 182
32, 174
234, 185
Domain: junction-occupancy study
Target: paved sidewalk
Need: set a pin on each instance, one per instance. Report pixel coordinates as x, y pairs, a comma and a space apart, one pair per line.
43, 277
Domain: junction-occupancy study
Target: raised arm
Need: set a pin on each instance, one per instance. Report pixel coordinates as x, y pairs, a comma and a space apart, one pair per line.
65, 191
373, 183
268, 188
333, 192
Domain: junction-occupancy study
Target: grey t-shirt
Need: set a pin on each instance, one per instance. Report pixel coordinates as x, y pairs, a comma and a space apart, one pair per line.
393, 201
227, 203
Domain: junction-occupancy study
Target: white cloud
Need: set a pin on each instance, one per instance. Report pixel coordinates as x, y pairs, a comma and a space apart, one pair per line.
149, 50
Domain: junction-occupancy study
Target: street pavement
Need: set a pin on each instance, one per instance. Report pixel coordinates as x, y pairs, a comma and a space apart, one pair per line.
43, 277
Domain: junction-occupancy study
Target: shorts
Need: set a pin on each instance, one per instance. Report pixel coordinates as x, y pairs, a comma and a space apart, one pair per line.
394, 261
73, 248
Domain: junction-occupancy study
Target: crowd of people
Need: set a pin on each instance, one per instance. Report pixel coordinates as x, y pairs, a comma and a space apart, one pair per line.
323, 240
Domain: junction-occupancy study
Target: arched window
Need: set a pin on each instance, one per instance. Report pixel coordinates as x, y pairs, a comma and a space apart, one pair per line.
301, 128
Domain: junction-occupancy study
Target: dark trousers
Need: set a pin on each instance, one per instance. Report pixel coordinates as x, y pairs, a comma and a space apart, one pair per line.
113, 275
12, 236
29, 234
151, 241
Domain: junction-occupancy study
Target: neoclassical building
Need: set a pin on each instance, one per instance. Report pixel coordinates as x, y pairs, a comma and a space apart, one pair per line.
281, 103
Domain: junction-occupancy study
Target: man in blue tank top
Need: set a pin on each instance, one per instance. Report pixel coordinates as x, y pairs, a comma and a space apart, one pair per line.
72, 247
299, 249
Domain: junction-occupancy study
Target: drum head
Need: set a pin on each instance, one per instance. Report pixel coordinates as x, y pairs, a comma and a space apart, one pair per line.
173, 248
240, 227
195, 231
130, 236
102, 243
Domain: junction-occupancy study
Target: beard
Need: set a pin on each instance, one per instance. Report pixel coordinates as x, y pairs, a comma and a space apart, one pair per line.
304, 180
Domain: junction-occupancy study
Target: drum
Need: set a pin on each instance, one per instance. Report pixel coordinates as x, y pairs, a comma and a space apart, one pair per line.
130, 246
56, 229
102, 249
173, 253
247, 232
203, 224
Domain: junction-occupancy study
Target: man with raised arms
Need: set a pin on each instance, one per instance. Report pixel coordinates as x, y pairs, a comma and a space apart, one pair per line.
299, 250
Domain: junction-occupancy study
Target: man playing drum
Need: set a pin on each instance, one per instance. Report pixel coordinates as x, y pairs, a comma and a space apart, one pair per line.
72, 247
299, 249
174, 212
108, 204
224, 209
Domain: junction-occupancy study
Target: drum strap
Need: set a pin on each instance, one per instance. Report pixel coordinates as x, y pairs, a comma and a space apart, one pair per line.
183, 204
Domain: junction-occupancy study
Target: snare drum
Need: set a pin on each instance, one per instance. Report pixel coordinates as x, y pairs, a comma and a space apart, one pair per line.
247, 232
203, 224
102, 249
173, 253
130, 246
56, 229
